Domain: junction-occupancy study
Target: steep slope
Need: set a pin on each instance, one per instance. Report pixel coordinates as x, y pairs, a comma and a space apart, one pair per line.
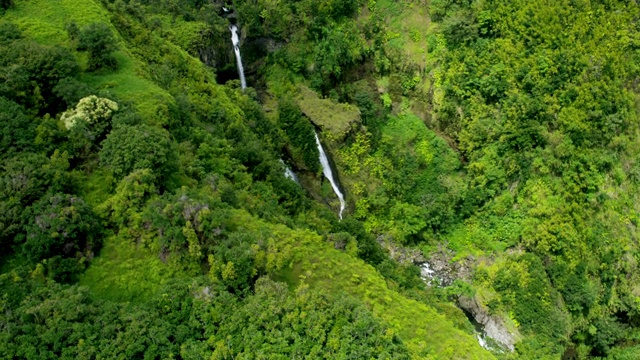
162, 229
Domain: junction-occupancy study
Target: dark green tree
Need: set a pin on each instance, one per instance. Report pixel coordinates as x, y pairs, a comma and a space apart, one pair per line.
71, 90
30, 72
129, 148
99, 41
9, 32
17, 130
25, 179
4, 5
61, 225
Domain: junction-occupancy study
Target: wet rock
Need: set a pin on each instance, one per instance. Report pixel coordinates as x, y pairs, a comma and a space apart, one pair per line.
493, 326
447, 270
428, 274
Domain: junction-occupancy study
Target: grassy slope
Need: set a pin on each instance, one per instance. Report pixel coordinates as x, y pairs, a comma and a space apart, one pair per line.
122, 271
125, 272
45, 21
408, 28
308, 258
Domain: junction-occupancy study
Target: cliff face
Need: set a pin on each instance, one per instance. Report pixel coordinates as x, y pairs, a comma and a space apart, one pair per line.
493, 326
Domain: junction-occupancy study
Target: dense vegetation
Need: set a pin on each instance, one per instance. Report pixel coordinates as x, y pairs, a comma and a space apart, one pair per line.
145, 212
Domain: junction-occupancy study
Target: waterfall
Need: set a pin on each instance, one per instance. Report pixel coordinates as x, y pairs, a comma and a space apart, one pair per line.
288, 173
326, 170
236, 48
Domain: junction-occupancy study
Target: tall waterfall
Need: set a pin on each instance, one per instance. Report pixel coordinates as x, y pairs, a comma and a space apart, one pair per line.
236, 48
326, 170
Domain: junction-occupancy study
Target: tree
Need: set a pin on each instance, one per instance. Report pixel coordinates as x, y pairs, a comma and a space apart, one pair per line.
31, 71
129, 148
4, 5
100, 43
92, 110
62, 225
71, 90
124, 208
300, 133
306, 324
17, 130
9, 32
24, 179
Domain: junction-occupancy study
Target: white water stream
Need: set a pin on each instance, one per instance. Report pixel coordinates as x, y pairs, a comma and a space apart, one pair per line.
236, 48
288, 173
326, 170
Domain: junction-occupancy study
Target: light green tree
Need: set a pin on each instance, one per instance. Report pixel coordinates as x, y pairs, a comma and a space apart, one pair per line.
91, 109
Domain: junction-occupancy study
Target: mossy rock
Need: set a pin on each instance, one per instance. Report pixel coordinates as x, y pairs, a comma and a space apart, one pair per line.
335, 118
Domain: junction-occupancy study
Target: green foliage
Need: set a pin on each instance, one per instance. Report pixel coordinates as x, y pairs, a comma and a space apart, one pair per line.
439, 9
300, 133
267, 17
60, 322
5, 4
542, 111
337, 119
339, 48
129, 148
307, 323
98, 40
522, 155
17, 130
418, 173
31, 71
188, 320
23, 181
124, 208
71, 91
368, 248
63, 225
9, 32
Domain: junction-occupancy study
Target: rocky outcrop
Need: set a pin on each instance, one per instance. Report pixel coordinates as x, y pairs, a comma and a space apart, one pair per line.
445, 269
335, 119
439, 269
493, 326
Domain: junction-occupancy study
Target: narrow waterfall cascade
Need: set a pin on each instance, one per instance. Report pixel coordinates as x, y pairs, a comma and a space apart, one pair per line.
235, 39
326, 170
288, 173
427, 273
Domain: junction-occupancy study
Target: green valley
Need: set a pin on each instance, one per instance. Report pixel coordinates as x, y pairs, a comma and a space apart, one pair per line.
337, 179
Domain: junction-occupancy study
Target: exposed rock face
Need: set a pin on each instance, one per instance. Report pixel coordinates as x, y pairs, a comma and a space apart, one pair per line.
215, 49
439, 269
446, 270
494, 326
